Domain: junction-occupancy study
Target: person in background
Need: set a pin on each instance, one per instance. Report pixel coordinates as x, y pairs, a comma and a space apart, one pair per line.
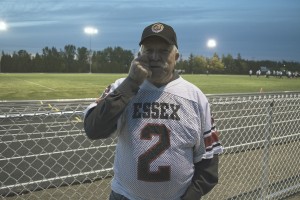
167, 145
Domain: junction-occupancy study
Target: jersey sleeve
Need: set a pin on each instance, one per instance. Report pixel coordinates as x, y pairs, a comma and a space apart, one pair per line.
211, 136
109, 89
208, 143
101, 117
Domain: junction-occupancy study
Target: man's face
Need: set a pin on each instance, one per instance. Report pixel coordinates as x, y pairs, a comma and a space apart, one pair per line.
162, 58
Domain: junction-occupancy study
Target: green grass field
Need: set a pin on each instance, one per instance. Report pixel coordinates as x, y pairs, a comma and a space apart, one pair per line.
74, 86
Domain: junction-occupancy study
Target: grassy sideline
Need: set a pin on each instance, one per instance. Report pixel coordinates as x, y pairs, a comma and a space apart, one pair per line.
73, 86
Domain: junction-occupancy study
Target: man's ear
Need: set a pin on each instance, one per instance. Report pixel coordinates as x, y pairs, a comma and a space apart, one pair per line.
177, 56
137, 55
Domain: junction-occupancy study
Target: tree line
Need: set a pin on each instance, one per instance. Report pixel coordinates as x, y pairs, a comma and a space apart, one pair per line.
68, 60
74, 59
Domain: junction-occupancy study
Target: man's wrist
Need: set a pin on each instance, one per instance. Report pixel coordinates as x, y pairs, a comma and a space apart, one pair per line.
128, 87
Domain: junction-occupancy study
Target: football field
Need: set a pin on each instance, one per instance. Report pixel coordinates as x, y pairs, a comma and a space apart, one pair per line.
39, 86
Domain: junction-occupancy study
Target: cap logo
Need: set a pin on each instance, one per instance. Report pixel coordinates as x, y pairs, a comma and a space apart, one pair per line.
156, 28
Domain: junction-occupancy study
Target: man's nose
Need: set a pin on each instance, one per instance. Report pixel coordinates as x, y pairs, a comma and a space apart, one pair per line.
155, 55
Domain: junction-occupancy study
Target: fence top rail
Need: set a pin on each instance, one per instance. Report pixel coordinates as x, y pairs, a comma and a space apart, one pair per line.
47, 100
253, 94
208, 95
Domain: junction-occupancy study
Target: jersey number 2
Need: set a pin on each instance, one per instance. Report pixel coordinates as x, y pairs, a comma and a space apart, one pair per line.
145, 159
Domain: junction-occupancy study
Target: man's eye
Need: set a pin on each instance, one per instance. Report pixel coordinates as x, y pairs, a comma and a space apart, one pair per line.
147, 51
164, 51
161, 51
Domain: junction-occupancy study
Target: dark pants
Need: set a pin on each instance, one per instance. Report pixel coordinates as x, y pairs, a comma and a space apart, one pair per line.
116, 196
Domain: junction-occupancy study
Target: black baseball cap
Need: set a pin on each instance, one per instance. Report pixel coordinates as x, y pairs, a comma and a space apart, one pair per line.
161, 30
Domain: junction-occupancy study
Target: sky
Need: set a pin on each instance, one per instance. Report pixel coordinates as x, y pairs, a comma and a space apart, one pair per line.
255, 29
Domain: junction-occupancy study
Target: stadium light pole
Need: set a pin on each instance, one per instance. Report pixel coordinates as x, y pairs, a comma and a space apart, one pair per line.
90, 31
211, 44
3, 27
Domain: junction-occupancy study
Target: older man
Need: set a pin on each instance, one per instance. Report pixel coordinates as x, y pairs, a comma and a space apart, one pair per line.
167, 145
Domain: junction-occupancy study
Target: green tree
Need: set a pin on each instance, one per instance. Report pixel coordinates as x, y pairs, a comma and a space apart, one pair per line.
216, 65
6, 63
200, 64
242, 67
113, 60
82, 59
191, 64
52, 60
22, 61
69, 55
229, 64
37, 62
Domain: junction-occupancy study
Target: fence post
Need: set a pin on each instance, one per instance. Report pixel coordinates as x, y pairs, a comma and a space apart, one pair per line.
266, 153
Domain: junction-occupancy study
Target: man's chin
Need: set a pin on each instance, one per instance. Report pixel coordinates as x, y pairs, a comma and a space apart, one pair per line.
157, 77
155, 67
157, 73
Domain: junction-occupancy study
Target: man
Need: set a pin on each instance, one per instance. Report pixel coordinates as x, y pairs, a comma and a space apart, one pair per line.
167, 146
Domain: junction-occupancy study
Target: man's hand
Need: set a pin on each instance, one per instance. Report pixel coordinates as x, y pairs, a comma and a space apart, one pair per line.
139, 69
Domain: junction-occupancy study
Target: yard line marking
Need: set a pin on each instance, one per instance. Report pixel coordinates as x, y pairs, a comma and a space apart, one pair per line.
78, 119
39, 85
53, 108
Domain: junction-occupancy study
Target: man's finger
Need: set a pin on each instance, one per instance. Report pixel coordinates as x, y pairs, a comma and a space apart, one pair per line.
143, 59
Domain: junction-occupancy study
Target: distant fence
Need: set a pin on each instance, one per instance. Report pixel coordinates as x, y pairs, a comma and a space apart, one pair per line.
46, 155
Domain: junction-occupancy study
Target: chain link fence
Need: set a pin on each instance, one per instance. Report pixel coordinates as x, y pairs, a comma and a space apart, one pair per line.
46, 155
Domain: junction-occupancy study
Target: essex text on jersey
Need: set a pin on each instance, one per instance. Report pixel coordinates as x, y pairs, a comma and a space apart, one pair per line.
156, 110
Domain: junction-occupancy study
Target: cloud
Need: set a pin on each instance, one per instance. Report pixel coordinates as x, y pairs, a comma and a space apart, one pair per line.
238, 25
29, 23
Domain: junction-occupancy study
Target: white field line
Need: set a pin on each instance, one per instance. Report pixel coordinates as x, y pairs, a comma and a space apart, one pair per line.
37, 84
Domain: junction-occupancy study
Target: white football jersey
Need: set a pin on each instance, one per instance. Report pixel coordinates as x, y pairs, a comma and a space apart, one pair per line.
161, 133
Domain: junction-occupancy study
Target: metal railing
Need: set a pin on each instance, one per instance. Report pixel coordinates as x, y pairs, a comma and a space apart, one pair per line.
46, 155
